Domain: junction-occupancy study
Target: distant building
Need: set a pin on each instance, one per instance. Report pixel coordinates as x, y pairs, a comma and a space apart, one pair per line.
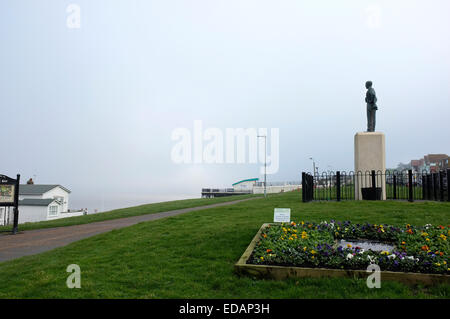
257, 187
417, 165
39, 202
431, 163
251, 186
436, 162
245, 184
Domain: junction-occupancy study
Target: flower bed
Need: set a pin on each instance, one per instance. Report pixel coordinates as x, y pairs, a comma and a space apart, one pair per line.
314, 245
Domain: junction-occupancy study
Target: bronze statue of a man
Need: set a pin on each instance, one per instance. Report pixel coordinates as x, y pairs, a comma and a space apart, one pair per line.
371, 100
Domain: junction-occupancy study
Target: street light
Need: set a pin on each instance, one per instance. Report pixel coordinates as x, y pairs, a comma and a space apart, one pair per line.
314, 166
265, 163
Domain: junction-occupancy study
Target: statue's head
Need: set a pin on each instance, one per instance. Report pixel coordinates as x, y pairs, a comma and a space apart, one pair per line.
368, 84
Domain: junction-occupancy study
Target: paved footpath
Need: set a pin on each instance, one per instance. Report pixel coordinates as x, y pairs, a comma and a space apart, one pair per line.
36, 241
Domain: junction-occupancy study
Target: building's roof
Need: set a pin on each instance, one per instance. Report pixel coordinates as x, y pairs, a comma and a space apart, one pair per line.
417, 162
36, 202
247, 180
433, 158
37, 189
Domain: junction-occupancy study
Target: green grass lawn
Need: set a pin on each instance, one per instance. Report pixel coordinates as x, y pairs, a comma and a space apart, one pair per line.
127, 212
192, 256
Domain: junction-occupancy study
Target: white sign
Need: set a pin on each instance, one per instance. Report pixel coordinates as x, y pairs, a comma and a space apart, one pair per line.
282, 215
7, 194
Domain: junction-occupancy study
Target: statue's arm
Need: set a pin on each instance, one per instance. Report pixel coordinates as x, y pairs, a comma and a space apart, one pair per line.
374, 99
369, 97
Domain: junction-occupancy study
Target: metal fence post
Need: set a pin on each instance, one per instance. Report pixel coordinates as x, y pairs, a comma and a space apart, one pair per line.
394, 193
434, 186
338, 186
374, 186
16, 206
303, 187
429, 185
410, 186
424, 182
448, 184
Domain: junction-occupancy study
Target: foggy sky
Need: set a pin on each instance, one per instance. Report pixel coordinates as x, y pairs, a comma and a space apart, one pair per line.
94, 108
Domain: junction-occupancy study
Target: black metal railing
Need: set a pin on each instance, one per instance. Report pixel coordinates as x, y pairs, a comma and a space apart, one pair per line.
376, 185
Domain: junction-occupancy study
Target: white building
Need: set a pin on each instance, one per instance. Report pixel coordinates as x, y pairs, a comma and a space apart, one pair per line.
38, 203
253, 185
272, 189
245, 185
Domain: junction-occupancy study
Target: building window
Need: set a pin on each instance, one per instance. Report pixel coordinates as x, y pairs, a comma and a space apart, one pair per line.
53, 210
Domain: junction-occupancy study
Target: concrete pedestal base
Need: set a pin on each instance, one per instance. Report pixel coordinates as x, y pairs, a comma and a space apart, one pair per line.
370, 154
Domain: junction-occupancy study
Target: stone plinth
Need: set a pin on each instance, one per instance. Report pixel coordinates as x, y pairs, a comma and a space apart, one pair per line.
370, 154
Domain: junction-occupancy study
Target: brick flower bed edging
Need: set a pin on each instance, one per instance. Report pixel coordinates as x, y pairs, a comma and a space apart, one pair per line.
283, 272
